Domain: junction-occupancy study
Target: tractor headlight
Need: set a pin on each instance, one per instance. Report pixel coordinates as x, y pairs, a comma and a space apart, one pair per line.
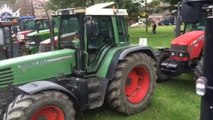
180, 54
173, 53
201, 86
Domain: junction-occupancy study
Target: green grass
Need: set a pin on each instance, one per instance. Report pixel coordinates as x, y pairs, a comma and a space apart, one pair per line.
173, 100
163, 37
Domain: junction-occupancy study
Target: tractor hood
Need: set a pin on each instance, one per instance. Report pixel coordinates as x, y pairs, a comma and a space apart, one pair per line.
188, 38
41, 32
41, 36
36, 67
48, 41
24, 32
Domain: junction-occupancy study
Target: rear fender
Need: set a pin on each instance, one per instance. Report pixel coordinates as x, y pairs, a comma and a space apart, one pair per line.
38, 86
121, 54
148, 50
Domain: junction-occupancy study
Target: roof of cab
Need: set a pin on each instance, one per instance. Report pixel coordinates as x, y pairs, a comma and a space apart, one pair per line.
101, 9
104, 9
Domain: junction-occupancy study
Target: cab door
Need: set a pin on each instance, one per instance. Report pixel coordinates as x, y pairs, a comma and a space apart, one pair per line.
100, 39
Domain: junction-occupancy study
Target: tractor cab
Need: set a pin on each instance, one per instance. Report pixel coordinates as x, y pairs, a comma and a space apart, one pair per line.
196, 20
30, 25
92, 34
34, 24
41, 33
22, 21
8, 48
41, 24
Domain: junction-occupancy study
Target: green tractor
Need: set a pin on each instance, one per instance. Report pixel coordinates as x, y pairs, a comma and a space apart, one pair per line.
30, 26
94, 62
42, 33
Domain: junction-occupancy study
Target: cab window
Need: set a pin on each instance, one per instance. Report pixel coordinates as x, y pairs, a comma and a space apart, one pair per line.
122, 29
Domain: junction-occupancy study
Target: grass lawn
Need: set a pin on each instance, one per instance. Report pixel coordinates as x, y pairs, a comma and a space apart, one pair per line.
173, 100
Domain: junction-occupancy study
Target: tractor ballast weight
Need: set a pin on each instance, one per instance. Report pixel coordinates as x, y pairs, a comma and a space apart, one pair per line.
82, 72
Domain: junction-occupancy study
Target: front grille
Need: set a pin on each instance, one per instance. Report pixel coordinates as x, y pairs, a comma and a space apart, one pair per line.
6, 76
179, 47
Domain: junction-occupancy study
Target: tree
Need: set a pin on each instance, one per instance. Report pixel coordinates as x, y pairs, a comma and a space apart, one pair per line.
133, 8
61, 4
11, 1
172, 2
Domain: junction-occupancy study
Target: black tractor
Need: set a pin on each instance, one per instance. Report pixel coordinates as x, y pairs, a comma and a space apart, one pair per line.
8, 47
204, 69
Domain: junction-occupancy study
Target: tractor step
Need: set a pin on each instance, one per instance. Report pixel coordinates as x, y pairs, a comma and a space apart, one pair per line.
94, 97
94, 100
96, 91
93, 85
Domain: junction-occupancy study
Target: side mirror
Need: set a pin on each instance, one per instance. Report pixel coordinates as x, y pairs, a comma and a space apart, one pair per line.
191, 12
2, 42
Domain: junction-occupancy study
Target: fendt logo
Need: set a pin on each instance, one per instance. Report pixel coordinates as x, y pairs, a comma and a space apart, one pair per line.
42, 62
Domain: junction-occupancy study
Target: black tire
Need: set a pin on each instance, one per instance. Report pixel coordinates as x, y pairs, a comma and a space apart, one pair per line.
199, 68
25, 106
116, 94
162, 55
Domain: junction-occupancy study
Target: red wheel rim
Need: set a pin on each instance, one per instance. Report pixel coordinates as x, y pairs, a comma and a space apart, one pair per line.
48, 113
137, 84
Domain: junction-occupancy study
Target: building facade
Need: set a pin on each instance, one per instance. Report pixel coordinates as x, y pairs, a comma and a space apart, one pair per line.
25, 6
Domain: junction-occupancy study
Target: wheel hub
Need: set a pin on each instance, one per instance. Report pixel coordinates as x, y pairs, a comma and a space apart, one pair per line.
137, 84
48, 113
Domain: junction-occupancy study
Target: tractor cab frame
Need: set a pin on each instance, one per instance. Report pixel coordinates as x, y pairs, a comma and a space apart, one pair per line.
8, 48
91, 35
193, 22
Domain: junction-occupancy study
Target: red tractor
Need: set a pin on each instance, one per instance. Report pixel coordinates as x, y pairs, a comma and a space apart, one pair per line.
186, 49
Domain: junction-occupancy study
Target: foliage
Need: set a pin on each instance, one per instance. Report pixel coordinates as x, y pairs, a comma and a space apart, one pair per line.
10, 1
61, 4
154, 6
172, 2
134, 9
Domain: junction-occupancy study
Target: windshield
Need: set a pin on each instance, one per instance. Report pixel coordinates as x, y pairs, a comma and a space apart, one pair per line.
56, 22
69, 32
41, 24
30, 25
